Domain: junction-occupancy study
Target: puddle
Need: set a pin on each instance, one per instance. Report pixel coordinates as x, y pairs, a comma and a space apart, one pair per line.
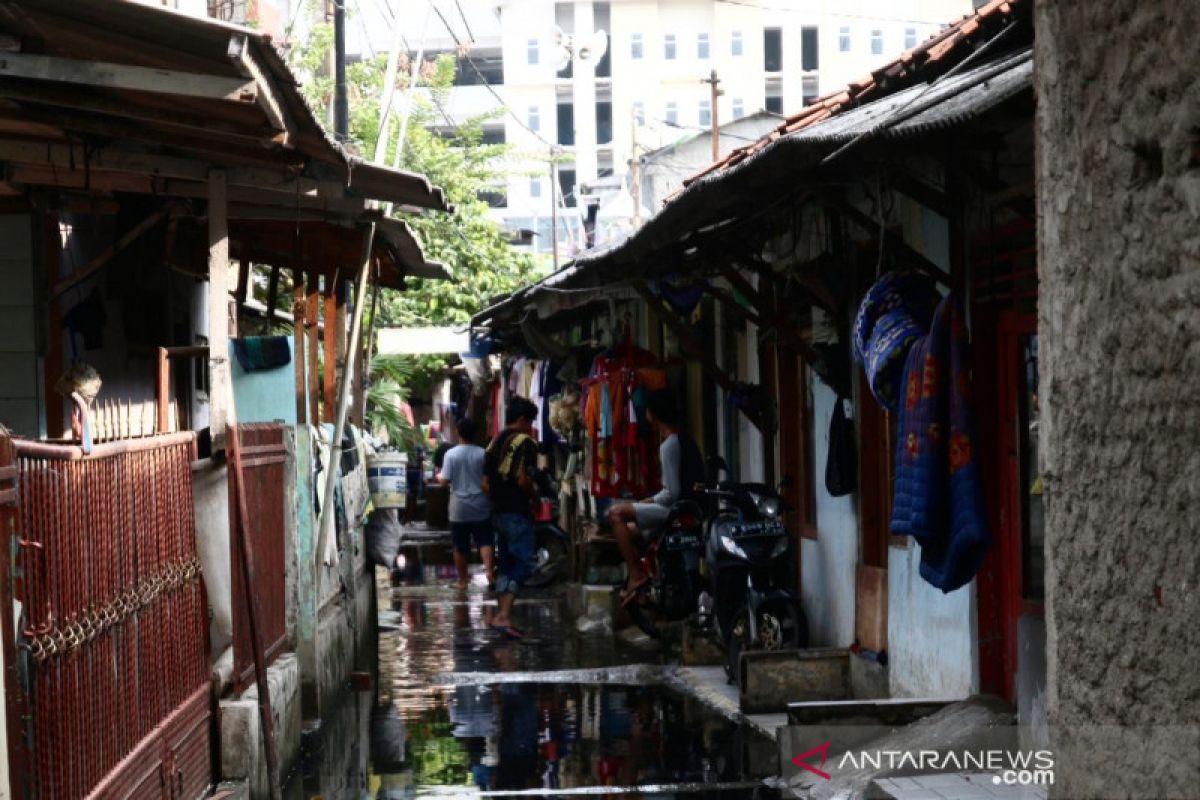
563, 740
461, 712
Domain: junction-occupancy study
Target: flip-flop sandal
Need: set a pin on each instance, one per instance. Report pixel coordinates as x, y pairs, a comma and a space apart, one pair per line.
631, 593
510, 632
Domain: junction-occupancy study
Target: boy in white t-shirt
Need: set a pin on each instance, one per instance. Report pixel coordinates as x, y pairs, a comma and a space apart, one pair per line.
470, 508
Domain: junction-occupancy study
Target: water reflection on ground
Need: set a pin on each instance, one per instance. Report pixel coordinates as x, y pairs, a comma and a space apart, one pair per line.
441, 726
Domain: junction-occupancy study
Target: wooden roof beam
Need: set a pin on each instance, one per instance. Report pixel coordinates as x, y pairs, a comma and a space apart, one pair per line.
42, 102
271, 104
103, 75
104, 181
78, 158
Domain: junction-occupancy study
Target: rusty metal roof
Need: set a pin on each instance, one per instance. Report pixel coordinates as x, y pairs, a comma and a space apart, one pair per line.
908, 98
273, 126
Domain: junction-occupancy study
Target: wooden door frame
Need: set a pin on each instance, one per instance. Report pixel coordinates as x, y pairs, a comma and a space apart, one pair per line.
1001, 580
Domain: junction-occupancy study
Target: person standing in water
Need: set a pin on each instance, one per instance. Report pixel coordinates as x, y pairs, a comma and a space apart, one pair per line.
511, 466
470, 508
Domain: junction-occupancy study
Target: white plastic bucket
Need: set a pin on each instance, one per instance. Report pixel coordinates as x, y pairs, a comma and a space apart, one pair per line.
387, 476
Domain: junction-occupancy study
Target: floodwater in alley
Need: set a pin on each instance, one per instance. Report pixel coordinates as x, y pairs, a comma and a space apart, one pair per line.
461, 712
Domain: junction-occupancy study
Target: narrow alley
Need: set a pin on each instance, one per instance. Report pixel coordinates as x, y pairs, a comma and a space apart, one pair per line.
460, 711
599, 398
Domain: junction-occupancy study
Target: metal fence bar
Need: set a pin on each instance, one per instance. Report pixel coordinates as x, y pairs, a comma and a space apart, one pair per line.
114, 622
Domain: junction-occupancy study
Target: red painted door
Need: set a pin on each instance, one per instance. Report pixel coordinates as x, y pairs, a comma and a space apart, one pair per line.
1011, 581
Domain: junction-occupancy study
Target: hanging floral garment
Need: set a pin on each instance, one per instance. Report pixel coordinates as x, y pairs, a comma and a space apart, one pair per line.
624, 452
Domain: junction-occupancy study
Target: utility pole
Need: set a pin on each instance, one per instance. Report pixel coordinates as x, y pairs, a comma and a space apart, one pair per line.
713, 83
554, 205
341, 108
635, 169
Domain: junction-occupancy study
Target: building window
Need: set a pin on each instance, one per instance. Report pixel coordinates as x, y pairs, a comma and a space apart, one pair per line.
535, 119
672, 114
669, 47
531, 51
705, 112
535, 187
775, 105
566, 124
844, 39
602, 21
635, 46
739, 110
639, 112
876, 42
566, 188
702, 46
809, 54
910, 38
773, 49
735, 44
604, 124
495, 197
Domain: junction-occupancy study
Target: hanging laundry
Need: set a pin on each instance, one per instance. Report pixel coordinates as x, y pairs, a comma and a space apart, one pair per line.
938, 490
624, 454
893, 314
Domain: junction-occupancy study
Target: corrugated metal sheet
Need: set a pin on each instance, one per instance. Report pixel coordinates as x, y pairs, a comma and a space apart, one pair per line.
927, 107
914, 111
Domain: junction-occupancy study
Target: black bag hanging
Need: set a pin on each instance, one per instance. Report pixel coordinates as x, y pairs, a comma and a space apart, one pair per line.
841, 467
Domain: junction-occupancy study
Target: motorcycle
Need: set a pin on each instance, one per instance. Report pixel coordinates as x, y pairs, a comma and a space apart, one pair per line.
747, 559
551, 543
672, 562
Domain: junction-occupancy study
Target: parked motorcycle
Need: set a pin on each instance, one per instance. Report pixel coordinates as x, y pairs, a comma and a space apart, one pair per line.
551, 543
747, 559
671, 561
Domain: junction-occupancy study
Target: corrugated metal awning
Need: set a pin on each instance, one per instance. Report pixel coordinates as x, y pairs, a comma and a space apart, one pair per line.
710, 201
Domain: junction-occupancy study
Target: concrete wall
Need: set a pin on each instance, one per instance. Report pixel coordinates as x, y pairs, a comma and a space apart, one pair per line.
1118, 181
210, 490
932, 637
266, 395
827, 563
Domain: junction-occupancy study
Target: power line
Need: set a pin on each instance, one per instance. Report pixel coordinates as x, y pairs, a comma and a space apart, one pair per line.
466, 24
722, 134
491, 90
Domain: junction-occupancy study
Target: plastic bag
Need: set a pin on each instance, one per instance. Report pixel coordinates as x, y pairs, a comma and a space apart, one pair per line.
383, 531
841, 467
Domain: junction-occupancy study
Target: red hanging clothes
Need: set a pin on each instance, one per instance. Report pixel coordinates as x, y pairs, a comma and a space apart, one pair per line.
624, 453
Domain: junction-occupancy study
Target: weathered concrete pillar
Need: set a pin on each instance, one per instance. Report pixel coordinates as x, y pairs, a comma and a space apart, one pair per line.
1118, 172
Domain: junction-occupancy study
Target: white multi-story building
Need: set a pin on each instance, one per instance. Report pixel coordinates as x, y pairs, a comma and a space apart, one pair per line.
589, 79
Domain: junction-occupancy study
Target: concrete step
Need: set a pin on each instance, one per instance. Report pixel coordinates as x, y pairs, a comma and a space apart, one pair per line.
772, 679
890, 712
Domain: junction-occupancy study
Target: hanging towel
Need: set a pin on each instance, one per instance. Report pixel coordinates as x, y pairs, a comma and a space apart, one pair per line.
256, 353
938, 491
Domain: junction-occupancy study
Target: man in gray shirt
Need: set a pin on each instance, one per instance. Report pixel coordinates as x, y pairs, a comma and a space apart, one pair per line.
470, 508
682, 469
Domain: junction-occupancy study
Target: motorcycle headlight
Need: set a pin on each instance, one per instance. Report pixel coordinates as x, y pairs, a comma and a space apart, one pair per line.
770, 507
731, 547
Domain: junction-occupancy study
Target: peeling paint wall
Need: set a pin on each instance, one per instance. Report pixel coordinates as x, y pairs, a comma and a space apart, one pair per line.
827, 563
1118, 174
932, 637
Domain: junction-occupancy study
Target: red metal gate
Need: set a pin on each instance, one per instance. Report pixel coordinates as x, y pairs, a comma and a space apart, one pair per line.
263, 456
113, 623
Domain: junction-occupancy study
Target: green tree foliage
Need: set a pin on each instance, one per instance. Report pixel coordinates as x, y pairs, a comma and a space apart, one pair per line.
474, 248
484, 266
